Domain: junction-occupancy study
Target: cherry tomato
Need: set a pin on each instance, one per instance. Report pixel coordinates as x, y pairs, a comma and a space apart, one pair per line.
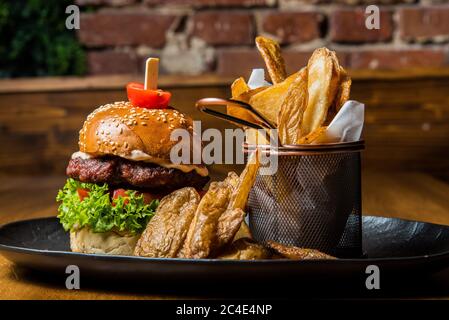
82, 193
150, 99
119, 193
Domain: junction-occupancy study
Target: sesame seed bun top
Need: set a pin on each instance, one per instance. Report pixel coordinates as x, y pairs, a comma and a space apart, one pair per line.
123, 130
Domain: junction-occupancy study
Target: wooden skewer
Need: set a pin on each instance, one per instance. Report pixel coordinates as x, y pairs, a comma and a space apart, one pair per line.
151, 73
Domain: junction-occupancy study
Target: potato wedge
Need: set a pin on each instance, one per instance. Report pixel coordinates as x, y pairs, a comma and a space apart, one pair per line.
245, 183
173, 217
238, 87
242, 92
241, 192
292, 110
228, 226
313, 136
253, 136
343, 92
246, 96
271, 54
344, 89
323, 79
244, 232
269, 101
202, 238
296, 253
245, 249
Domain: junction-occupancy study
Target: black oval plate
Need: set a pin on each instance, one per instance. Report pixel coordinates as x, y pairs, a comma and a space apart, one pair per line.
395, 246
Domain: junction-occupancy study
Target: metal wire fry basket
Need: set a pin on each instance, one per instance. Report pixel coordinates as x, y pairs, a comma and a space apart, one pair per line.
312, 201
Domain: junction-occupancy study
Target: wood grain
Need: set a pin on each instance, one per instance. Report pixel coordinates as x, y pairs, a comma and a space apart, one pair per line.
415, 196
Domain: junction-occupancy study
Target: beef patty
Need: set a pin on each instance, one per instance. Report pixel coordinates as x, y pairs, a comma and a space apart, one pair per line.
141, 175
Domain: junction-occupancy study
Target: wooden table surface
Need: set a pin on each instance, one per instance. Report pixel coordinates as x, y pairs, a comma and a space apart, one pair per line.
414, 196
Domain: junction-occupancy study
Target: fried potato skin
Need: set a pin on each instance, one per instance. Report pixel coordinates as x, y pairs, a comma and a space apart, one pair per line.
242, 92
344, 89
238, 87
295, 253
245, 249
291, 112
342, 95
268, 102
228, 225
202, 238
243, 232
165, 233
313, 136
245, 182
323, 79
271, 53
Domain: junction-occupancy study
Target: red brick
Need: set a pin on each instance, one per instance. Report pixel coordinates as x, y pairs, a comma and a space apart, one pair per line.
213, 3
292, 3
240, 62
295, 60
117, 29
433, 1
104, 2
348, 25
397, 59
292, 27
424, 23
299, 3
223, 27
111, 62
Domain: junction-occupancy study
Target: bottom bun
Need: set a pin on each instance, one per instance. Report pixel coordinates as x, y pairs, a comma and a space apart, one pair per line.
86, 241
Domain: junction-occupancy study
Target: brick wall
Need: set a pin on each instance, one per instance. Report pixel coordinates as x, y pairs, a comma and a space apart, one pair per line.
203, 36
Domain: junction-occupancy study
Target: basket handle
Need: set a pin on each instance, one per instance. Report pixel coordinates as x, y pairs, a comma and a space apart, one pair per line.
204, 104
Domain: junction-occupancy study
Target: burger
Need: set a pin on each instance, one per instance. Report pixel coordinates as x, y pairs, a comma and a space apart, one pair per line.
120, 172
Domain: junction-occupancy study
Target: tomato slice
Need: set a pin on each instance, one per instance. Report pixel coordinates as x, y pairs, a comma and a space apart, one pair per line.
119, 193
150, 99
82, 193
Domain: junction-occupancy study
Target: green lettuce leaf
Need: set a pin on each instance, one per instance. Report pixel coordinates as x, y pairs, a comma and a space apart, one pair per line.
97, 212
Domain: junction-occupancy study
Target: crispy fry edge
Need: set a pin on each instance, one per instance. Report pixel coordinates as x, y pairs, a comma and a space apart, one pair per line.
271, 53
